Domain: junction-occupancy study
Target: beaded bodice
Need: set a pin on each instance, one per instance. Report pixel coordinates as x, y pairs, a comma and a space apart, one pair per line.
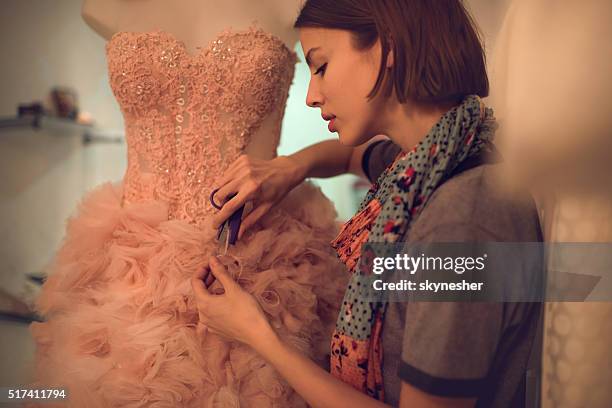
188, 117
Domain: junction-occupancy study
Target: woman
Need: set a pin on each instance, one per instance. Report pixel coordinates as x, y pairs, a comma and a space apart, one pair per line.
412, 70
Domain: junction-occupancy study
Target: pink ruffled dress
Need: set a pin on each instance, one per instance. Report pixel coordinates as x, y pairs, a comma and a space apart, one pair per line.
120, 316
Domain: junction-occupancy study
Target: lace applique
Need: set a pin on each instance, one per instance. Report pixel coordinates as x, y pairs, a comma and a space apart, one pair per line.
187, 117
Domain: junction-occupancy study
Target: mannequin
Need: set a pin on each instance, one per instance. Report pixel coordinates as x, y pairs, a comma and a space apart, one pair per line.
199, 84
552, 89
195, 24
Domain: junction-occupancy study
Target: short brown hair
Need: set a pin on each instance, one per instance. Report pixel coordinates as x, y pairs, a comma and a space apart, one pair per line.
438, 55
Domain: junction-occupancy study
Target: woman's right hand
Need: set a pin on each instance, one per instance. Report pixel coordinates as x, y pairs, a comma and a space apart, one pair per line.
264, 183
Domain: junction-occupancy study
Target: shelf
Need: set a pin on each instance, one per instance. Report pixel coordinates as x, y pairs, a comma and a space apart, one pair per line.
60, 126
42, 122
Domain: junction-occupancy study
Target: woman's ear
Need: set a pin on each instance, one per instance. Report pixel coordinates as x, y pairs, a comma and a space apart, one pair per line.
390, 59
391, 55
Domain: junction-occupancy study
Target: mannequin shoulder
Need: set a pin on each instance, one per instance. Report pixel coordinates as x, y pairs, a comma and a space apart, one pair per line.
287, 11
279, 18
101, 16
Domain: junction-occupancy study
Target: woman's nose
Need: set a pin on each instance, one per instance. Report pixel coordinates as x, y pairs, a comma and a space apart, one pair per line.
313, 97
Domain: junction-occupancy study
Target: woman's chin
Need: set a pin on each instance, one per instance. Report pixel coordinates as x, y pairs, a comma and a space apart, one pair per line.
341, 138
346, 138
353, 140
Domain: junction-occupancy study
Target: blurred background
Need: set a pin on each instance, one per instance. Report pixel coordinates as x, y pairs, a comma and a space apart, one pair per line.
61, 134
54, 63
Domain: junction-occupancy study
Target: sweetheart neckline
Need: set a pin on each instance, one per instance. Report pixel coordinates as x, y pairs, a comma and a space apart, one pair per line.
202, 49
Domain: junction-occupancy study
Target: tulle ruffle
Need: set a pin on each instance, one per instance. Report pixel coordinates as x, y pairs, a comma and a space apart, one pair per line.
120, 317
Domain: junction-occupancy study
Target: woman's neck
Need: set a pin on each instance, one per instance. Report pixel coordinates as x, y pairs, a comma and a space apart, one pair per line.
409, 123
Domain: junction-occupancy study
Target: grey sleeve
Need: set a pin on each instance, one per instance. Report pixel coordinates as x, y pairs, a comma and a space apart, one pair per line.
448, 347
377, 157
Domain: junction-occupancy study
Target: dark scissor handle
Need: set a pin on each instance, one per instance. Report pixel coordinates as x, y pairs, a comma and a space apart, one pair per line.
233, 221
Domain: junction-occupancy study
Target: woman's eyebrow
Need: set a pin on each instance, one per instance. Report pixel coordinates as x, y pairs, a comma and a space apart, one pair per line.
309, 55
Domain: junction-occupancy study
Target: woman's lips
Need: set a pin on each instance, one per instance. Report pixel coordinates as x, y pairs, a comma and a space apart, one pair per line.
331, 119
330, 125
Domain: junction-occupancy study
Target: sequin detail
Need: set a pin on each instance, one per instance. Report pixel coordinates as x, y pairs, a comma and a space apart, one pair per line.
187, 117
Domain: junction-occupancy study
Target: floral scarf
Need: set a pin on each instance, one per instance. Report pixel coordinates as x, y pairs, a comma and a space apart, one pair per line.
390, 206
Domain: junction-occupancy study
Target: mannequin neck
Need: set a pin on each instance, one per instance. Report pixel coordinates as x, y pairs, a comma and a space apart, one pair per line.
193, 22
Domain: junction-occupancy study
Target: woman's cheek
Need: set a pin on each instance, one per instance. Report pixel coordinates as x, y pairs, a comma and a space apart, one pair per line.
342, 78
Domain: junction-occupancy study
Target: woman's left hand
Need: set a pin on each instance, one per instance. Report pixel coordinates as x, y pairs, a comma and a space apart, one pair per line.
237, 316
234, 314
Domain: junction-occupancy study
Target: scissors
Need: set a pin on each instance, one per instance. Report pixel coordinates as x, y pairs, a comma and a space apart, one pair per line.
232, 223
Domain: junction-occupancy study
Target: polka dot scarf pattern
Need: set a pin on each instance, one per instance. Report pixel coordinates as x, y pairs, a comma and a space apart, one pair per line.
390, 206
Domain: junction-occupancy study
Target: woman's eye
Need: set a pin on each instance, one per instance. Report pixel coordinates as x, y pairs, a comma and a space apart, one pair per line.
321, 69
